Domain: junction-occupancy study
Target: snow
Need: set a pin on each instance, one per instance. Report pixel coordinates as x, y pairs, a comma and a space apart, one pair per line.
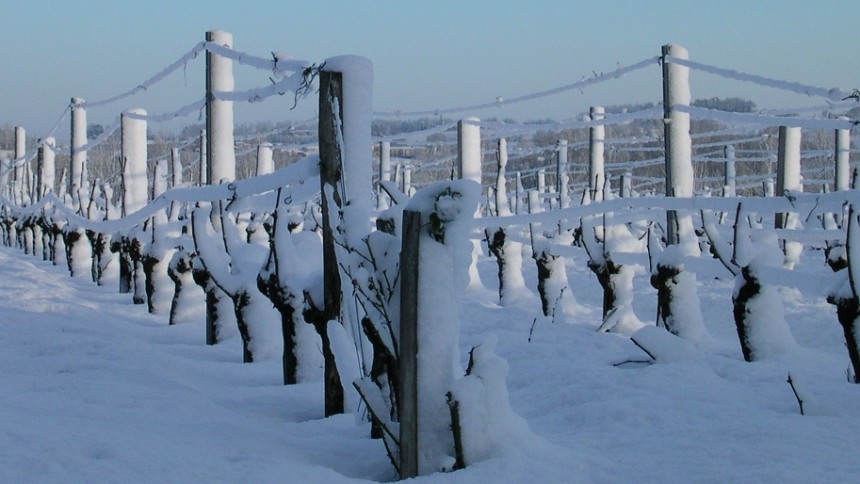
97, 390
48, 169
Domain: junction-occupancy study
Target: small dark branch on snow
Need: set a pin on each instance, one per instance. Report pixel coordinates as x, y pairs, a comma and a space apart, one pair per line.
794, 389
454, 405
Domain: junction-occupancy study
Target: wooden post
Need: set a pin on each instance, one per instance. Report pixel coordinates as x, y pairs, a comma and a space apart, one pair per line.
265, 165
519, 193
842, 158
541, 176
561, 173
133, 148
787, 168
729, 183
41, 156
408, 364
502, 205
78, 157
203, 176
221, 161
596, 135
676, 133
469, 149
18, 177
175, 168
384, 173
331, 95
407, 180
626, 188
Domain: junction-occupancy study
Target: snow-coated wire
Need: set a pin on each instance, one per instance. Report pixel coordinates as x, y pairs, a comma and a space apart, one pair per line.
603, 77
763, 120
832, 94
143, 86
194, 107
92, 144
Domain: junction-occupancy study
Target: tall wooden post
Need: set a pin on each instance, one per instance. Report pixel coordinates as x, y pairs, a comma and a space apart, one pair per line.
133, 147
596, 135
203, 175
469, 149
561, 173
408, 362
676, 133
626, 188
78, 157
842, 158
221, 162
729, 182
265, 163
331, 162
46, 169
20, 152
787, 168
384, 173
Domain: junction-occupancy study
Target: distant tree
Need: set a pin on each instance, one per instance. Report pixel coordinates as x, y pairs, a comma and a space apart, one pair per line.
732, 104
94, 130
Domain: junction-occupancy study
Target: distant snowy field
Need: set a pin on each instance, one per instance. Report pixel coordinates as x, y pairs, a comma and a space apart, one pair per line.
94, 389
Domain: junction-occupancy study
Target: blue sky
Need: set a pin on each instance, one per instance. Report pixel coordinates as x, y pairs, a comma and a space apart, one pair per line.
426, 55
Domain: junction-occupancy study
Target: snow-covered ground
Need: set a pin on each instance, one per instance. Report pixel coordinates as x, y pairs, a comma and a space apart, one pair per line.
94, 389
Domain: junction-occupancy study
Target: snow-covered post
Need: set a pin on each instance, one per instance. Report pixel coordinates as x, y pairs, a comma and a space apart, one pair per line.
265, 165
561, 178
788, 180
518, 194
20, 152
78, 156
842, 157
46, 169
677, 142
407, 180
469, 149
382, 202
221, 157
508, 253
626, 188
175, 168
729, 182
203, 175
541, 176
432, 276
345, 111
133, 148
469, 167
596, 135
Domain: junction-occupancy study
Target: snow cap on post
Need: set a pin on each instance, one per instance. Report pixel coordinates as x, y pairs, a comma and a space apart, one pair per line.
47, 168
355, 116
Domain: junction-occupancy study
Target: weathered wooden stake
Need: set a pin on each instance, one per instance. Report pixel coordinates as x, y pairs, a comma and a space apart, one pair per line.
331, 164
561, 178
78, 157
20, 152
676, 133
729, 182
596, 135
787, 168
842, 158
382, 202
408, 399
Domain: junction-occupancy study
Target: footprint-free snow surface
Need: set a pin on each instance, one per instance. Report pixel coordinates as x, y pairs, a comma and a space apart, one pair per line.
94, 389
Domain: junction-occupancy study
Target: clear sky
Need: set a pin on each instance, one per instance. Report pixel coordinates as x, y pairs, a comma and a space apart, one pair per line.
426, 55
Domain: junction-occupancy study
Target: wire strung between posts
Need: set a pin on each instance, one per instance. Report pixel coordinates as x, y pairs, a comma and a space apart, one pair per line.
833, 94
92, 144
762, 120
603, 77
188, 56
194, 107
